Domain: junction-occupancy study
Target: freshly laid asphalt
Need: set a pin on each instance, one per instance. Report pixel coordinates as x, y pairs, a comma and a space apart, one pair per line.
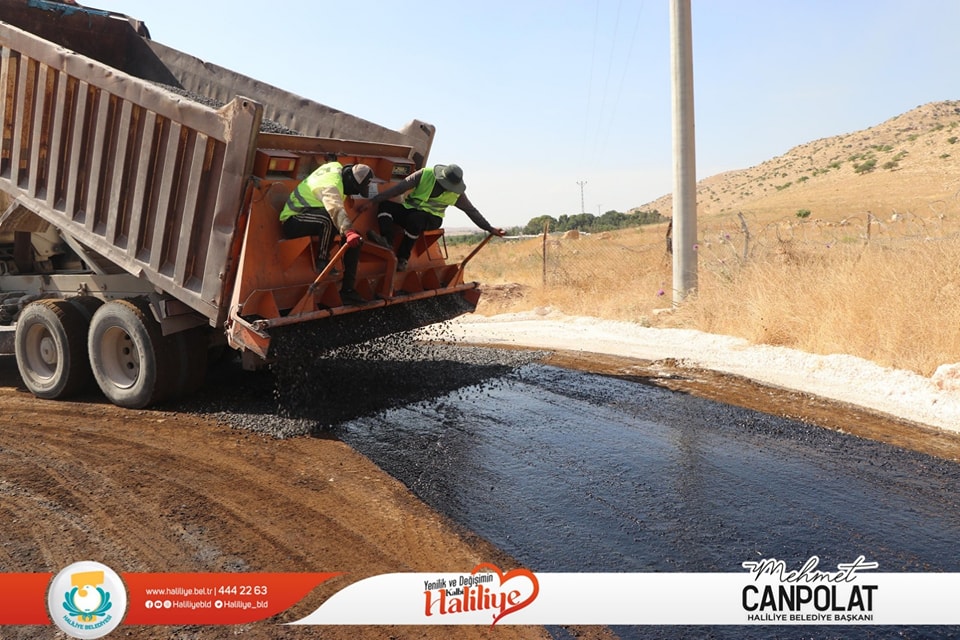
578, 472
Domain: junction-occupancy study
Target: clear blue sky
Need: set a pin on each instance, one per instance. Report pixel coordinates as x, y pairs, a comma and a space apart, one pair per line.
532, 97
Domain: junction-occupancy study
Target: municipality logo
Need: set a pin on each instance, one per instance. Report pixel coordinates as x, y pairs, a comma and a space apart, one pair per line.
87, 600
486, 589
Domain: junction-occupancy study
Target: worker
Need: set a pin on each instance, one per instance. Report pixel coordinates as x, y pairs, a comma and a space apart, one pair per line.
316, 208
431, 191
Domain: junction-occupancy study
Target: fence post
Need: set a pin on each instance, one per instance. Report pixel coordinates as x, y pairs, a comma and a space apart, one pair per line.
746, 235
546, 230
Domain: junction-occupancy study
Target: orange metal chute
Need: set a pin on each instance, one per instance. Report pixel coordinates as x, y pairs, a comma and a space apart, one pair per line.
277, 284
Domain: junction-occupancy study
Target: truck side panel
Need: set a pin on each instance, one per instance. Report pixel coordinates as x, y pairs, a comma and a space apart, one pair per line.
140, 175
161, 63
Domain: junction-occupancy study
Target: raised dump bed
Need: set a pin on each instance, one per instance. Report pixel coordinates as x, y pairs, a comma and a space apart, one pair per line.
143, 189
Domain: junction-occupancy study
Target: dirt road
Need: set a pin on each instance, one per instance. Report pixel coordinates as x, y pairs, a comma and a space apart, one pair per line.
159, 491
153, 491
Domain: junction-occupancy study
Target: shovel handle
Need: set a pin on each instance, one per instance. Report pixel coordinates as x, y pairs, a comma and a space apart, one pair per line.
327, 269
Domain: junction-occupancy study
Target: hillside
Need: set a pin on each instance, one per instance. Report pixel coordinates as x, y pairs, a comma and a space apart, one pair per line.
908, 164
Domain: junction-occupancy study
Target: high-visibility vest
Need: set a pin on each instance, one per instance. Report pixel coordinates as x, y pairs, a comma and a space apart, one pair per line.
303, 198
420, 198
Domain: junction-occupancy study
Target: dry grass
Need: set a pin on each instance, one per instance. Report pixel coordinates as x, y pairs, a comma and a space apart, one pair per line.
622, 275
895, 306
894, 300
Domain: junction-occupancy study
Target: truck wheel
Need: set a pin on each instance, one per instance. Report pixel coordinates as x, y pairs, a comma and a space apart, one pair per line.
127, 354
50, 346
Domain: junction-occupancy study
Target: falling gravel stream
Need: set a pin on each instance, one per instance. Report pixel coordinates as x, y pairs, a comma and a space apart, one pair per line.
569, 471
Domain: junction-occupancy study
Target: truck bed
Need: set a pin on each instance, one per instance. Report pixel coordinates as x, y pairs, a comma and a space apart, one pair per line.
143, 223
96, 143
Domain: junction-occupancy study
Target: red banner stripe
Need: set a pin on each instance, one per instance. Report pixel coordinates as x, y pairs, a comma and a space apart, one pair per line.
214, 598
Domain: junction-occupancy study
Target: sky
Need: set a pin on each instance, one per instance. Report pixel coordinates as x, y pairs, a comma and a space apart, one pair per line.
564, 106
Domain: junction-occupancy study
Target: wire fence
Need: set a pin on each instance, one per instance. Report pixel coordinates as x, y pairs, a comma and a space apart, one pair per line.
576, 259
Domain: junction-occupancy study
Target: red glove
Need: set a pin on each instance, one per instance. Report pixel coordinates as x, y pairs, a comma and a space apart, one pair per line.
353, 238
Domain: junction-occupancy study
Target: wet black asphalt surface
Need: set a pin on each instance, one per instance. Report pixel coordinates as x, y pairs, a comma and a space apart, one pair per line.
569, 471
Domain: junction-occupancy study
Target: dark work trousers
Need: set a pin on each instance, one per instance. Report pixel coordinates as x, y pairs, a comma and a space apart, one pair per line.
317, 222
412, 221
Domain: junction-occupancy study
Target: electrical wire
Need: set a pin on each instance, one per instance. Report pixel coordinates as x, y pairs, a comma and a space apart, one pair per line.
593, 57
623, 78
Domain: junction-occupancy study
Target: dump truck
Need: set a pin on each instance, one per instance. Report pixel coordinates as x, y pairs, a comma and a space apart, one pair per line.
140, 234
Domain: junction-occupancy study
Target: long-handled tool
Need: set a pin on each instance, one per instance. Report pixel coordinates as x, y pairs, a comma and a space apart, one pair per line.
306, 302
470, 255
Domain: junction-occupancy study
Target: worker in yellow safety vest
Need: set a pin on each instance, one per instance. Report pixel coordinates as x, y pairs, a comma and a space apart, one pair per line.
316, 207
429, 192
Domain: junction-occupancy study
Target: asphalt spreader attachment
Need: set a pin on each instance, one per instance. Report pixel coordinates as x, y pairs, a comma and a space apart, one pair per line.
301, 341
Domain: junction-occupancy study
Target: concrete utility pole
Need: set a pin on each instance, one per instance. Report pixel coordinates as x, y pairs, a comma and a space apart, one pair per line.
684, 153
583, 209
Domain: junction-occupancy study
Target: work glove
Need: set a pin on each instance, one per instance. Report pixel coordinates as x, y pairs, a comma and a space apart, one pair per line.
352, 238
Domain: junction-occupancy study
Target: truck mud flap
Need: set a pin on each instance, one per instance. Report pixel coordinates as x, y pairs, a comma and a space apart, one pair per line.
7, 341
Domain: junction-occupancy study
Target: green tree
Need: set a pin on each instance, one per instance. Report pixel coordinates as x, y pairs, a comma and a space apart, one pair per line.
535, 225
647, 217
612, 220
579, 221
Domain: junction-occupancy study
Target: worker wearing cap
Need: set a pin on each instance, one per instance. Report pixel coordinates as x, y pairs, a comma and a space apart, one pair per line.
316, 208
429, 192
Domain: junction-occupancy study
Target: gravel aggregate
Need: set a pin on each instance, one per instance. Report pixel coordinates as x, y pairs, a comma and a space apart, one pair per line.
266, 126
312, 387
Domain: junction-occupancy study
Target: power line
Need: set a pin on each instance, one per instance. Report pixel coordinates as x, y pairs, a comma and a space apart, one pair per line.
623, 77
593, 57
606, 79
601, 107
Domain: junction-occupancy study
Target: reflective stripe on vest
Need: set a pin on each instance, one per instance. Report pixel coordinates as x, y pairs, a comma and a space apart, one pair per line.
303, 198
420, 198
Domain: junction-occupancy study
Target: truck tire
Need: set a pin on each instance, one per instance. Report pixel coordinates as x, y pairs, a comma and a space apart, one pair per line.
51, 349
128, 354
